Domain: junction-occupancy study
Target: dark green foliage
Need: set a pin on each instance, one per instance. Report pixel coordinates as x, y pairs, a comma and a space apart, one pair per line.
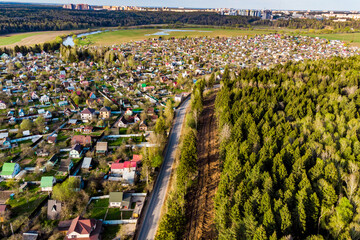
172, 224
290, 163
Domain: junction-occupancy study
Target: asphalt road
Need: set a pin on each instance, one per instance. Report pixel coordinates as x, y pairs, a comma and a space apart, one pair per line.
152, 215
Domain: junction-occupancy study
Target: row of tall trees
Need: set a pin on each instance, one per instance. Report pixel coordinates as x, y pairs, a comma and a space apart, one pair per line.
172, 224
290, 152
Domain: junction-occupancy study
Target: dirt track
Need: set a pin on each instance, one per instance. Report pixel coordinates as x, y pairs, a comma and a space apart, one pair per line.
200, 210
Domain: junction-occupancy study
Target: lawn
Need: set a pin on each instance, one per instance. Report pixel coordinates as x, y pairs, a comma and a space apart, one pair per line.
110, 232
97, 208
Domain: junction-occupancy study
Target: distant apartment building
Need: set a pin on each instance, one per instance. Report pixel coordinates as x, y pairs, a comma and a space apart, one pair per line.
78, 7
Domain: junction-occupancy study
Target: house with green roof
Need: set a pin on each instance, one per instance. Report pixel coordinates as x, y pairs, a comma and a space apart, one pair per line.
120, 200
10, 170
47, 183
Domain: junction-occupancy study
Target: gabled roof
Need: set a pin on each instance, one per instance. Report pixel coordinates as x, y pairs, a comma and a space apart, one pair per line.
105, 109
82, 226
8, 168
137, 158
116, 197
46, 181
77, 147
101, 146
88, 111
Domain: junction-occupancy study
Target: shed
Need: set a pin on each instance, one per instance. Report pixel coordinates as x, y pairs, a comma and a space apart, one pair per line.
86, 164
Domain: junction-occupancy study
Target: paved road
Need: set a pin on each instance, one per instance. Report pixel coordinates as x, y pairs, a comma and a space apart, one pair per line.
152, 215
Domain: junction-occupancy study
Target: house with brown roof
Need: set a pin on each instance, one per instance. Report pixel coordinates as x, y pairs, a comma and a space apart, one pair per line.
85, 229
101, 147
105, 112
81, 139
87, 114
53, 209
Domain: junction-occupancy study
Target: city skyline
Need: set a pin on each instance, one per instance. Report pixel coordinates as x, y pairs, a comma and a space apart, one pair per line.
346, 5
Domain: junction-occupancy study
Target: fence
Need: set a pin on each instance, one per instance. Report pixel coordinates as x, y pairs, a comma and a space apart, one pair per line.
117, 222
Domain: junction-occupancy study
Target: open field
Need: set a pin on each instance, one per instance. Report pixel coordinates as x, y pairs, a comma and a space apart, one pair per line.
121, 36
26, 39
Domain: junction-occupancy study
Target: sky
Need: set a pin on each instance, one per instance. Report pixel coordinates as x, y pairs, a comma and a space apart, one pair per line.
241, 4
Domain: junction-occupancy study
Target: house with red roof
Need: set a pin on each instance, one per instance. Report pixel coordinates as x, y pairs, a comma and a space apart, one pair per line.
84, 229
125, 171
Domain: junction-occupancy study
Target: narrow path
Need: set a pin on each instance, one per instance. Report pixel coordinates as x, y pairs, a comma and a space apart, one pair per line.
200, 211
152, 212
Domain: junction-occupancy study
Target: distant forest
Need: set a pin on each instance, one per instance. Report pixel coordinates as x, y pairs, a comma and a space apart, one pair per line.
28, 18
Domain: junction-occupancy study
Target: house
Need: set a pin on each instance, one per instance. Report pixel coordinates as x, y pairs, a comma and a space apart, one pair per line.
63, 103
3, 105
82, 228
136, 158
143, 126
52, 139
81, 139
53, 209
115, 199
5, 143
105, 112
178, 97
101, 147
76, 151
88, 129
67, 112
92, 96
34, 96
122, 123
86, 164
65, 165
44, 99
87, 114
120, 200
72, 121
125, 171
47, 183
4, 210
9, 170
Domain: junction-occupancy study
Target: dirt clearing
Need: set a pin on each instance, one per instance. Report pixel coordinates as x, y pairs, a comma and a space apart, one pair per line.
200, 211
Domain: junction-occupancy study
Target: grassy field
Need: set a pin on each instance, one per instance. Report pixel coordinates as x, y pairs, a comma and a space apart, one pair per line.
121, 36
26, 39
11, 39
353, 38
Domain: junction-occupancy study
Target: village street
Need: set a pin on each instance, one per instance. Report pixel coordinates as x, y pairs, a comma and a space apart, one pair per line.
153, 211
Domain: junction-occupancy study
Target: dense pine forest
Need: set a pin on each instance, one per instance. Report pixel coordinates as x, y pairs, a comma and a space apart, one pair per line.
290, 152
